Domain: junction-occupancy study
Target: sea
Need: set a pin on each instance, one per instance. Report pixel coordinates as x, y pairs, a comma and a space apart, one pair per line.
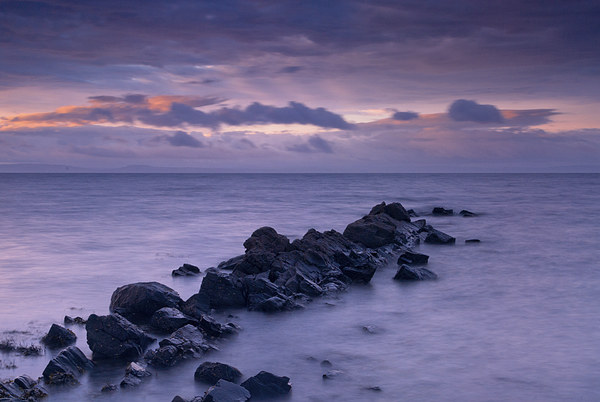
515, 317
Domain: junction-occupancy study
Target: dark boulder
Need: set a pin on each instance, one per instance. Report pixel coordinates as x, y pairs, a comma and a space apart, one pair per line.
186, 342
408, 273
106, 388
267, 238
66, 367
186, 270
258, 290
211, 372
231, 263
134, 373
138, 301
214, 329
439, 211
267, 385
225, 391
394, 210
435, 236
372, 231
168, 319
255, 261
412, 213
412, 258
22, 388
221, 290
59, 337
196, 306
77, 320
113, 336
472, 241
467, 214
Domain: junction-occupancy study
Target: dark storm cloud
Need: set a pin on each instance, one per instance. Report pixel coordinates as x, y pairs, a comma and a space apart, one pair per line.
314, 144
290, 69
48, 37
174, 111
405, 116
183, 139
468, 110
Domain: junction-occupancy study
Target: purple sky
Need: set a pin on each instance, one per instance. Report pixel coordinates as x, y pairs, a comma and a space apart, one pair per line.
302, 86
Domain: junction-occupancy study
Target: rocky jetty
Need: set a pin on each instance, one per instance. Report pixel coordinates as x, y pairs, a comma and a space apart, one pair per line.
273, 275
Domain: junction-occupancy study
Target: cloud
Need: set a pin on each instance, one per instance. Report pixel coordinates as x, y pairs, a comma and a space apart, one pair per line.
183, 139
468, 110
175, 111
314, 144
405, 116
290, 69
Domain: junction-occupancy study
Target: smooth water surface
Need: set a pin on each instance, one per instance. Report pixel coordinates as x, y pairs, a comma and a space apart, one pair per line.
516, 317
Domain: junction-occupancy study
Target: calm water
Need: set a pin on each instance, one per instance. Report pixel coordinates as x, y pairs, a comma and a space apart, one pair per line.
516, 317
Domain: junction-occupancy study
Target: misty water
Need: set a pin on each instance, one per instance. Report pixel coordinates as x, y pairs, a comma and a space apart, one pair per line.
515, 317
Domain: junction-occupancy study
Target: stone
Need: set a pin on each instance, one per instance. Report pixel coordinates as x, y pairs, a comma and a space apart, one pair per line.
372, 231
22, 388
137, 370
177, 398
67, 367
435, 236
412, 258
169, 319
58, 337
186, 270
77, 320
267, 238
439, 211
225, 391
231, 263
186, 342
408, 273
467, 214
130, 381
332, 374
267, 385
211, 372
139, 301
113, 336
196, 306
108, 388
221, 291
472, 241
412, 213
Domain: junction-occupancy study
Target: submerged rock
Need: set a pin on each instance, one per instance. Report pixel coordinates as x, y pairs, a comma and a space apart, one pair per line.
408, 273
66, 367
58, 337
139, 301
435, 236
77, 320
225, 391
186, 270
412, 258
267, 385
439, 211
169, 319
467, 214
113, 336
134, 373
472, 241
211, 372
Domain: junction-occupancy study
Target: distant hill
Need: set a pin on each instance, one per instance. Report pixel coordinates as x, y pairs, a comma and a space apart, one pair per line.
47, 168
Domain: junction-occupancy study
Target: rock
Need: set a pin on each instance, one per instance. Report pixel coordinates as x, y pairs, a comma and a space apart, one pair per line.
137, 370
225, 391
186, 342
186, 270
138, 301
332, 374
408, 273
169, 319
467, 214
394, 210
255, 261
472, 241
130, 381
211, 372
113, 336
412, 258
77, 320
22, 388
222, 291
231, 263
267, 238
59, 337
177, 398
412, 213
373, 388
372, 231
267, 385
66, 367
211, 328
259, 290
439, 211
196, 306
274, 304
435, 236
326, 363
108, 388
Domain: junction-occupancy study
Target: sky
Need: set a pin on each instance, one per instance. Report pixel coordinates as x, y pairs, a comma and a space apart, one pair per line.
302, 86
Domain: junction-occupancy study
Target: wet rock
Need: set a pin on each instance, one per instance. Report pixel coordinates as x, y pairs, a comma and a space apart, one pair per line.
231, 263
467, 214
108, 388
372, 231
267, 238
177, 398
58, 337
214, 329
412, 258
139, 301
275, 304
263, 295
221, 290
420, 224
130, 381
186, 342
186, 270
408, 273
326, 363
22, 388
134, 374
412, 213
254, 262
113, 336
77, 320
332, 374
169, 319
66, 367
196, 306
472, 241
439, 211
374, 388
225, 391
211, 372
394, 210
267, 385
435, 236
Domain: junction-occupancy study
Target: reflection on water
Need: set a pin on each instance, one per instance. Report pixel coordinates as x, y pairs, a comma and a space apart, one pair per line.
512, 318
